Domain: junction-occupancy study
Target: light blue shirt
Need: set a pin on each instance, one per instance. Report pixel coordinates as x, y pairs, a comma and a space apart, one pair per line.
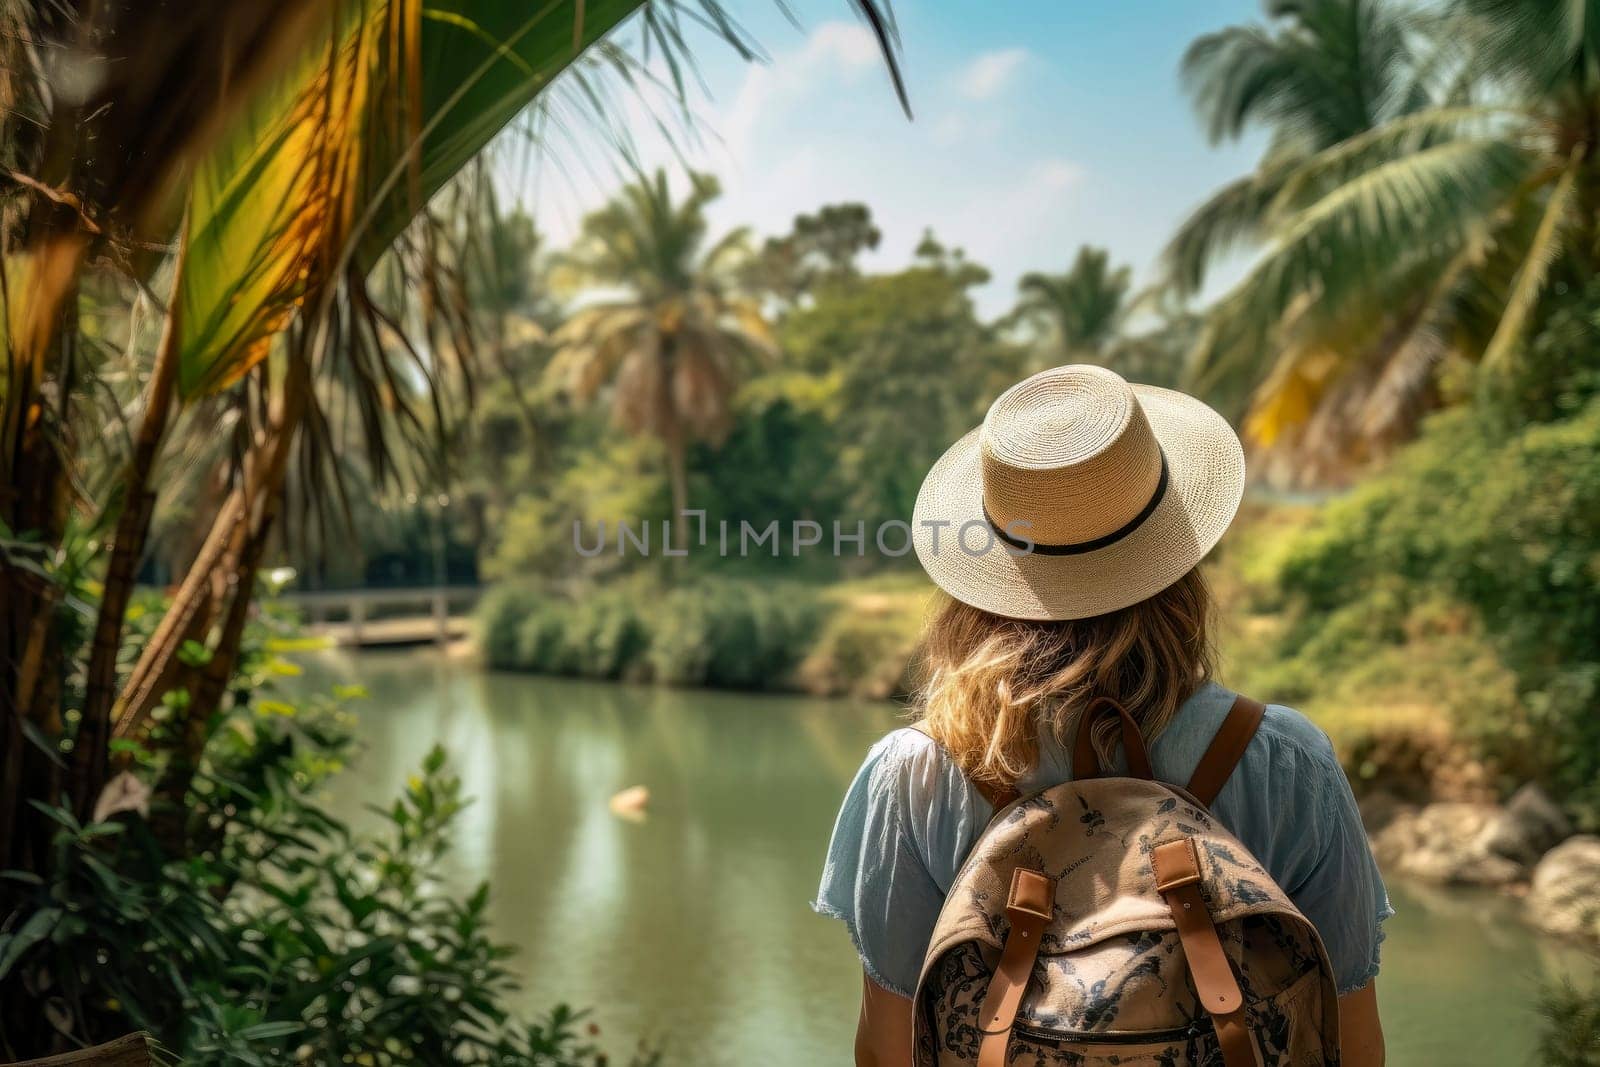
911, 817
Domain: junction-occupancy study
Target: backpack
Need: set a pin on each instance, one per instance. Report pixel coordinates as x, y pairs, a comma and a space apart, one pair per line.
1112, 920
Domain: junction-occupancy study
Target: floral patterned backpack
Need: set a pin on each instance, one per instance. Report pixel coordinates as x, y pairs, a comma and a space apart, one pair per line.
1112, 920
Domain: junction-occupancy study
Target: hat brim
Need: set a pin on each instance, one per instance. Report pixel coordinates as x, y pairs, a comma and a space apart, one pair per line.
954, 542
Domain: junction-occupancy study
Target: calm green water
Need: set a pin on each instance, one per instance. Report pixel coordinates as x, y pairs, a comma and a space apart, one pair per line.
691, 929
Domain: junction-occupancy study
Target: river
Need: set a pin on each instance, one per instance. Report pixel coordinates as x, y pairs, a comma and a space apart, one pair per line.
690, 929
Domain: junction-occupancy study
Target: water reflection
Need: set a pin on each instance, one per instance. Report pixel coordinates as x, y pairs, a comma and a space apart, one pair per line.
691, 929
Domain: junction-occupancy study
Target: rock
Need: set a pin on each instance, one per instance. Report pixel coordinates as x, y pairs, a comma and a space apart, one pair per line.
1445, 843
1565, 895
1379, 808
1531, 825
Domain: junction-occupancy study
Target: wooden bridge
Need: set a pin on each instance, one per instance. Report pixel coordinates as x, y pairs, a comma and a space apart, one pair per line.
370, 618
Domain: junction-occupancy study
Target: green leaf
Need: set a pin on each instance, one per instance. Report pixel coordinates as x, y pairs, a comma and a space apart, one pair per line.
321, 165
434, 762
36, 929
1544, 250
268, 1031
36, 737
56, 814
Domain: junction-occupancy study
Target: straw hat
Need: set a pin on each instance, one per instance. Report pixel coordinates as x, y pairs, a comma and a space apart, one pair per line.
1080, 494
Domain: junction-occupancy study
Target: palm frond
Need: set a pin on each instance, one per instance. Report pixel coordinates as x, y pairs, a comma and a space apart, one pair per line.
1538, 47
1229, 220
1529, 284
1395, 139
1320, 72
1342, 251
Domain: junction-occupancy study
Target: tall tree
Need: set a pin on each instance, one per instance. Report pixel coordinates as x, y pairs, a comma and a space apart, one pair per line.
898, 363
673, 347
1079, 311
1434, 230
1316, 73
818, 248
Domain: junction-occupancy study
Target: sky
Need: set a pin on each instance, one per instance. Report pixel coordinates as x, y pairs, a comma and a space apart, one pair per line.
1037, 126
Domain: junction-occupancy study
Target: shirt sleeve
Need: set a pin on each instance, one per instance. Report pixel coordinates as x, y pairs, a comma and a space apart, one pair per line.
907, 820
1334, 879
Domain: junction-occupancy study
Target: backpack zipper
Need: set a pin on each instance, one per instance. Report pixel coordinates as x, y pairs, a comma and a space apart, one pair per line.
1125, 1037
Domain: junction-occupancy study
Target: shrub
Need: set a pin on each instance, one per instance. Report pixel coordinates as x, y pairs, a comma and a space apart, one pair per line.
731, 634
608, 634
500, 617
1480, 550
542, 643
720, 632
867, 644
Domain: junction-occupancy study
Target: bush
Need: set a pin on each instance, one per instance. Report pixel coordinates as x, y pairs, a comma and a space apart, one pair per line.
725, 633
731, 634
867, 645
542, 640
500, 617
608, 635
1474, 559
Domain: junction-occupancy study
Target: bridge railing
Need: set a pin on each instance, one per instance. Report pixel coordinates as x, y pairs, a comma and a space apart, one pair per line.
359, 605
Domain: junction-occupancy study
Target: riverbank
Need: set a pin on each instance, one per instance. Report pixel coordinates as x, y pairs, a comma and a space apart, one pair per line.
1435, 623
1392, 722
1431, 808
851, 638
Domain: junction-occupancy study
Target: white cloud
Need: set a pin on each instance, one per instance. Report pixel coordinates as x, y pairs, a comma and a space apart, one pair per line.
963, 129
1054, 175
987, 76
833, 52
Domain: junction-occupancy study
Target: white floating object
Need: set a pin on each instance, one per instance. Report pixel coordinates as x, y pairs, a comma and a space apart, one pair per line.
631, 802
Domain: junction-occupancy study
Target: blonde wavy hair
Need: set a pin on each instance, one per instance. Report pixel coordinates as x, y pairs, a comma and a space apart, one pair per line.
993, 686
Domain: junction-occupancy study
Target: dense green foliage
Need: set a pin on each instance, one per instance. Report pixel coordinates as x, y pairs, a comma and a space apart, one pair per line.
1469, 567
720, 632
1429, 181
285, 936
878, 373
1571, 1035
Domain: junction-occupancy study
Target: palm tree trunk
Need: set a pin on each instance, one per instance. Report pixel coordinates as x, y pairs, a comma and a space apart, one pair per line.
671, 429
679, 479
89, 756
264, 474
262, 486
194, 593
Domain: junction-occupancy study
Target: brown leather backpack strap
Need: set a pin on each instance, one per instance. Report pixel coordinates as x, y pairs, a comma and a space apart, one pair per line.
1029, 907
1226, 749
1086, 762
1177, 868
997, 794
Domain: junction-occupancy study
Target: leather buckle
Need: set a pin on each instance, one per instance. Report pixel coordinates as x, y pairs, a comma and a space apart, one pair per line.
1176, 864
1032, 893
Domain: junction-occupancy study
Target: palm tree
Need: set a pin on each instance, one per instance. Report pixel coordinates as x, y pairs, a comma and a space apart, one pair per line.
1319, 72
1436, 231
1082, 309
674, 345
